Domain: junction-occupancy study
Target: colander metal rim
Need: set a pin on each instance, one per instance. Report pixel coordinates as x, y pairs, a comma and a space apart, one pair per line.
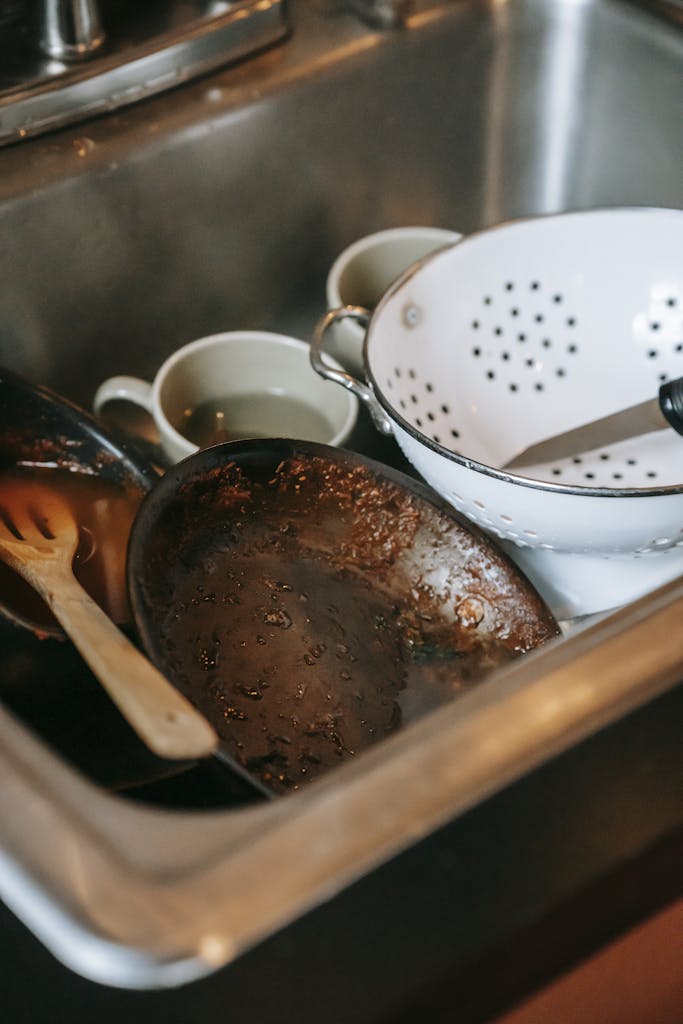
473, 464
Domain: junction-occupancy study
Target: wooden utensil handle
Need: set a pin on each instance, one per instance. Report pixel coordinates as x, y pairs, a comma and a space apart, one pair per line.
162, 717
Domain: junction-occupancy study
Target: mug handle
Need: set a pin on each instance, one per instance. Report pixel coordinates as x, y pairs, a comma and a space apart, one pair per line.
128, 389
338, 376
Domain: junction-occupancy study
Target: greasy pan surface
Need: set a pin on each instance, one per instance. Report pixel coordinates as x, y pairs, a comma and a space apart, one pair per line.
311, 601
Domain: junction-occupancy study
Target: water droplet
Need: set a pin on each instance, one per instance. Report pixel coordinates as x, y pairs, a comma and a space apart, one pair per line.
251, 692
83, 146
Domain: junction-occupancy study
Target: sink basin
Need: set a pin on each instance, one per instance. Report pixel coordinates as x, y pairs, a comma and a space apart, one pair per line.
221, 205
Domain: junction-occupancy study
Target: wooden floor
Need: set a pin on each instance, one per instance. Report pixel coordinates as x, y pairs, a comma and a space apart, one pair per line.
636, 980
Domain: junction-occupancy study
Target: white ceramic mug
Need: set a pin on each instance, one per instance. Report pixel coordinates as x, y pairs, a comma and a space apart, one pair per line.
363, 272
240, 384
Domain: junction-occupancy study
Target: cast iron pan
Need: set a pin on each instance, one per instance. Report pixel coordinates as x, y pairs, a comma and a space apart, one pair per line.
310, 601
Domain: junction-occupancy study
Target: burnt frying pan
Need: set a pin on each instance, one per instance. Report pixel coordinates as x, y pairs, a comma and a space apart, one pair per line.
311, 601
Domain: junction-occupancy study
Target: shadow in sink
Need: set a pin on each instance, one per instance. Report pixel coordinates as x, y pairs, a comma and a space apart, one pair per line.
46, 684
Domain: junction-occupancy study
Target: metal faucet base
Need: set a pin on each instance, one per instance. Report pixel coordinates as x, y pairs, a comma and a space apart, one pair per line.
146, 52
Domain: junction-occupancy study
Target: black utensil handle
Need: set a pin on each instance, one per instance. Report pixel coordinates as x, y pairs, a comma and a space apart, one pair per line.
671, 402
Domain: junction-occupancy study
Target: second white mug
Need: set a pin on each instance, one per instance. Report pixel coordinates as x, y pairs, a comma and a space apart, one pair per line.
363, 272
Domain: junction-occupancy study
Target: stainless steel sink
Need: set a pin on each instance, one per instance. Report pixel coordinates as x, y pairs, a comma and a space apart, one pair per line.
221, 205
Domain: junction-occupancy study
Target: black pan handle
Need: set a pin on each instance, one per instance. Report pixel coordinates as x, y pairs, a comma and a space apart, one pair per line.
671, 402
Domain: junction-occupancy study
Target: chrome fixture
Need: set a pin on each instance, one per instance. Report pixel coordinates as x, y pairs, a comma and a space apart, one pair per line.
69, 29
60, 62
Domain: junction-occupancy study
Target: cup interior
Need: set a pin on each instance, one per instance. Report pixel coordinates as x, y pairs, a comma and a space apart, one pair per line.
251, 384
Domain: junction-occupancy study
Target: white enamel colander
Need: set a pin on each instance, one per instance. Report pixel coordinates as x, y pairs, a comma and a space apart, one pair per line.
515, 334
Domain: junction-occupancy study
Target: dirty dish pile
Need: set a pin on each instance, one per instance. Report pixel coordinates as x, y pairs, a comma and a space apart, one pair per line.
517, 333
311, 601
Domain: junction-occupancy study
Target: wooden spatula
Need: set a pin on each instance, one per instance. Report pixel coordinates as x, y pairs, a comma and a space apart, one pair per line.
38, 539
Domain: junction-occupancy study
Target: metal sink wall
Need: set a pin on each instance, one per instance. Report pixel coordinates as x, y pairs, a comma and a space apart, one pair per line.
221, 205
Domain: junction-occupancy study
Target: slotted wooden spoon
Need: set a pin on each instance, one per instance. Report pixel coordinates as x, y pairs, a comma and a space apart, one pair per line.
38, 539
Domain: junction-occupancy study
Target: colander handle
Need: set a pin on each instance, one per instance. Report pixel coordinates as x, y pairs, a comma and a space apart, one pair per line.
671, 402
362, 391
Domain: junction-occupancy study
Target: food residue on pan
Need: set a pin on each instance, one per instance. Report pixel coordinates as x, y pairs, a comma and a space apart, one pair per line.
311, 610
